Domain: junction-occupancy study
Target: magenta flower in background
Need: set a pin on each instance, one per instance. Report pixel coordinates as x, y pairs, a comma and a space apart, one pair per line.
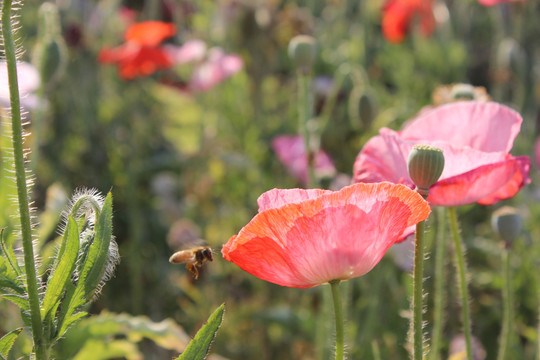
28, 79
476, 138
291, 151
495, 2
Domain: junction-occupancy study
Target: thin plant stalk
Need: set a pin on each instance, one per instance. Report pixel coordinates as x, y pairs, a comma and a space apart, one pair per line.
20, 175
538, 327
438, 296
462, 279
338, 310
304, 115
504, 340
417, 305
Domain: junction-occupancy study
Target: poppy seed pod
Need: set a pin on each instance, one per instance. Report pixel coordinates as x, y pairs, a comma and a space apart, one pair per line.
303, 51
425, 166
507, 222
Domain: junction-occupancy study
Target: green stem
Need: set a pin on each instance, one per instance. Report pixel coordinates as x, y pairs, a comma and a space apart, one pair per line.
504, 340
22, 192
418, 277
438, 296
338, 310
462, 279
304, 115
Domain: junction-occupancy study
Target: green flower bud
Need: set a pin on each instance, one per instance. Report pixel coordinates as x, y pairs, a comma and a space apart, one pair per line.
362, 109
425, 165
303, 51
507, 222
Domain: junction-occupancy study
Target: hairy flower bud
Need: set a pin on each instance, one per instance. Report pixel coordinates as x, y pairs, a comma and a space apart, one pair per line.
507, 223
425, 165
303, 51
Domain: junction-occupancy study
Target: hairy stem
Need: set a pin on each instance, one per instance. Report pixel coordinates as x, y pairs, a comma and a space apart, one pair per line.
20, 174
338, 310
438, 296
462, 279
417, 304
504, 340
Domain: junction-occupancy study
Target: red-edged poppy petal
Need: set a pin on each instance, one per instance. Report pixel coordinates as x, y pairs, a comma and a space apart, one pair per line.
338, 235
485, 126
488, 184
150, 33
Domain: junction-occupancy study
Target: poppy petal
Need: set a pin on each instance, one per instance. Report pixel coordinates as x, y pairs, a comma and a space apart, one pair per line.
338, 235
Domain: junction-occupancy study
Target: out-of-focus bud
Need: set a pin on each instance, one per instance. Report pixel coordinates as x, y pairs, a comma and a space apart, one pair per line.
50, 51
362, 109
507, 223
303, 51
425, 165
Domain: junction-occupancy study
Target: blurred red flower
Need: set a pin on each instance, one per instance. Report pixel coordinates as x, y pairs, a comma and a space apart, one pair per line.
291, 151
141, 54
399, 14
304, 238
476, 138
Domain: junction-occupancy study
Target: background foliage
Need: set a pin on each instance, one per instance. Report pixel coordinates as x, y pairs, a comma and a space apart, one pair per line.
195, 163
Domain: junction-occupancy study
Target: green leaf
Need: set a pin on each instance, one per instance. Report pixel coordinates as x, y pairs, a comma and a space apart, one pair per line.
6, 342
62, 268
93, 269
199, 347
7, 253
17, 300
106, 327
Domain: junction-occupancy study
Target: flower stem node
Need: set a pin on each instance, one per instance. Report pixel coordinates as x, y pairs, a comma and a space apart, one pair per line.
507, 223
303, 51
425, 166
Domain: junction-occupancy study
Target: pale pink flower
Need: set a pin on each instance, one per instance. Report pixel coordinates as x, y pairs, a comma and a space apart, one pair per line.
28, 79
476, 138
291, 151
217, 67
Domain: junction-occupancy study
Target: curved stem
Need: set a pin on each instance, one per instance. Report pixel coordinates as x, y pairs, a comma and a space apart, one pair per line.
22, 192
462, 279
438, 296
418, 277
504, 340
338, 310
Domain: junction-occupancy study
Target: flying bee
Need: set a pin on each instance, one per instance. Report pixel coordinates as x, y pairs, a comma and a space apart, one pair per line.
194, 258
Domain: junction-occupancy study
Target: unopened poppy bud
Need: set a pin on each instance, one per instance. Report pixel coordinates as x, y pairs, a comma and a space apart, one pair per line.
303, 51
362, 109
425, 165
507, 222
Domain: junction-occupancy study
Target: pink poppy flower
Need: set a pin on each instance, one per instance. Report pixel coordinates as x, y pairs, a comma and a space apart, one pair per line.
476, 138
495, 2
291, 151
304, 238
191, 51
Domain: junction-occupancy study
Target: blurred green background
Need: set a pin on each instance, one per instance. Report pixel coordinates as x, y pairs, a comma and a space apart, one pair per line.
191, 165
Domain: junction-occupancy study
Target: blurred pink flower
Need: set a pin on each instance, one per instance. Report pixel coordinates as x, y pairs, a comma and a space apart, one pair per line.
210, 67
217, 67
304, 238
28, 80
476, 138
191, 51
495, 2
291, 151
